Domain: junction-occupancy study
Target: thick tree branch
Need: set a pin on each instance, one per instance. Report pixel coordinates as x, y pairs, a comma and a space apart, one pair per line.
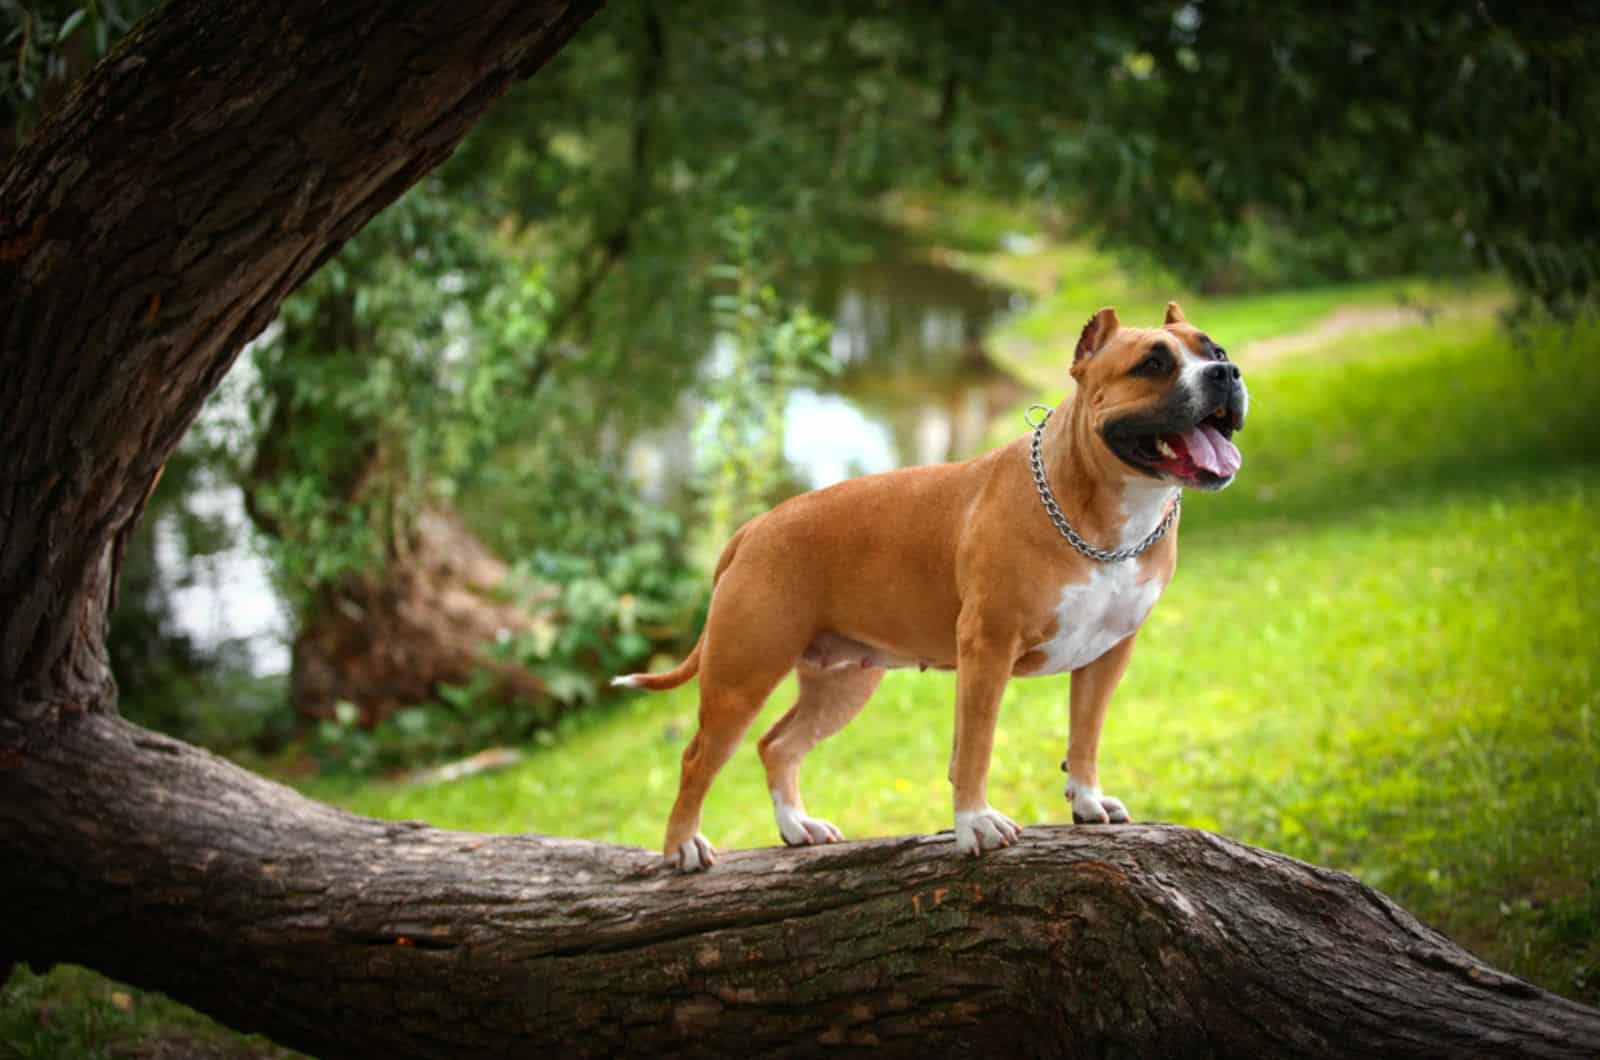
168, 867
154, 224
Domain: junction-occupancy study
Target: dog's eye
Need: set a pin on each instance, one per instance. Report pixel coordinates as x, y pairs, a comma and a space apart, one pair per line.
1157, 362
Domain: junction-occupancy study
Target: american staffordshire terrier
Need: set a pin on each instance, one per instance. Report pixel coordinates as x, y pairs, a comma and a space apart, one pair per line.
1041, 557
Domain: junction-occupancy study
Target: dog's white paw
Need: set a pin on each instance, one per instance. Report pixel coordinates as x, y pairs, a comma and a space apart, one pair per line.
1091, 807
985, 829
798, 830
694, 854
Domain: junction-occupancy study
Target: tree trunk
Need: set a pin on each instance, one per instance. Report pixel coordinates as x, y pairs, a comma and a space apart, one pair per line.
154, 224
165, 866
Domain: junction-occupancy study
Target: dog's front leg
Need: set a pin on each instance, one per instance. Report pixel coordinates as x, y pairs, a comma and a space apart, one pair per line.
983, 664
1092, 686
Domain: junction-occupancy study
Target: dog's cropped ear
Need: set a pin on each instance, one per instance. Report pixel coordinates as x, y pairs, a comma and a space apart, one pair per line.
1175, 314
1096, 333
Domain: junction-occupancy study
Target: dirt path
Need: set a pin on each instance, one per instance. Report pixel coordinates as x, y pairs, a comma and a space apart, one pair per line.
1354, 320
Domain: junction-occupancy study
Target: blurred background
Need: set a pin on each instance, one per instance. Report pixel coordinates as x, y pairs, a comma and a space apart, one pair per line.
722, 251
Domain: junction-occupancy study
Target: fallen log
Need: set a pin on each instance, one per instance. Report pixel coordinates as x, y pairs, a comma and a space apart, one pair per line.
170, 868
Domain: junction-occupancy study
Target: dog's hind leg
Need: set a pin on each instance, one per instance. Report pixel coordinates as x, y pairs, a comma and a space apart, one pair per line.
828, 700
725, 714
750, 643
724, 717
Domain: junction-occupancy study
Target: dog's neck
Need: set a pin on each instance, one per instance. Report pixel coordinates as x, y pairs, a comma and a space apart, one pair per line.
1108, 503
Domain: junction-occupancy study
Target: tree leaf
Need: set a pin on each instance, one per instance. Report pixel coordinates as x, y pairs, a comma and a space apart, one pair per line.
72, 22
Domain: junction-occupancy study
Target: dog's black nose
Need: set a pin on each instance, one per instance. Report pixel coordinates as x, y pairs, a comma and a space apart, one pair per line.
1222, 372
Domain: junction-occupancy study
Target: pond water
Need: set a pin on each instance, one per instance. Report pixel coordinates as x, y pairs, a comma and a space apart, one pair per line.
916, 388
224, 596
209, 576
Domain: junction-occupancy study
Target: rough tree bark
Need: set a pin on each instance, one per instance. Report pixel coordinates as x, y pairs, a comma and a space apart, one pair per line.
154, 224
151, 228
169, 867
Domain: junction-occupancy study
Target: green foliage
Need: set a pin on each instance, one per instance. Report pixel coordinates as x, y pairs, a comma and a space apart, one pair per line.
47, 44
620, 162
1378, 654
417, 369
465, 718
383, 392
1341, 140
770, 349
1239, 145
614, 606
597, 613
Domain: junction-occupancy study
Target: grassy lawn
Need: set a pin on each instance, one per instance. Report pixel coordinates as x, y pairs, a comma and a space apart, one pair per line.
1379, 654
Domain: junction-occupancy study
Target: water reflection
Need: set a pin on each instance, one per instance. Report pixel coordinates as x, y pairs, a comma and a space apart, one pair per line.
917, 385
908, 317
827, 437
197, 607
224, 596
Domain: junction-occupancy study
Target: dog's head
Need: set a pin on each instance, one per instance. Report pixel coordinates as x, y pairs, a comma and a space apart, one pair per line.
1164, 401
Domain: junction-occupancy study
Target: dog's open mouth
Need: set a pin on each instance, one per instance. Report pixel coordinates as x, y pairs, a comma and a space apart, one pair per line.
1202, 456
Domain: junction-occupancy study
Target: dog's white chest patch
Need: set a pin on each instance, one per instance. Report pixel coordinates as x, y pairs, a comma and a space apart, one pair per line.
1094, 615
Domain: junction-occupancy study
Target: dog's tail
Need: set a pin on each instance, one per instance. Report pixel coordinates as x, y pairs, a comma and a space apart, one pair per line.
663, 681
691, 665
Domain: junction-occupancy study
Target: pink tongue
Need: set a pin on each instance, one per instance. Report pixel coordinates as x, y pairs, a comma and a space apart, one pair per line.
1211, 451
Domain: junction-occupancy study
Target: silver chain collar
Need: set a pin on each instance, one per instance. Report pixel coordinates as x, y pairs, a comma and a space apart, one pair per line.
1104, 555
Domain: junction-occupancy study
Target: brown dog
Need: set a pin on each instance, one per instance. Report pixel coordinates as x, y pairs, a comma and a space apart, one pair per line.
970, 566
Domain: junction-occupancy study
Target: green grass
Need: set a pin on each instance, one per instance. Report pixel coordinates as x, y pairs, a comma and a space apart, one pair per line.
74, 1013
1379, 654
